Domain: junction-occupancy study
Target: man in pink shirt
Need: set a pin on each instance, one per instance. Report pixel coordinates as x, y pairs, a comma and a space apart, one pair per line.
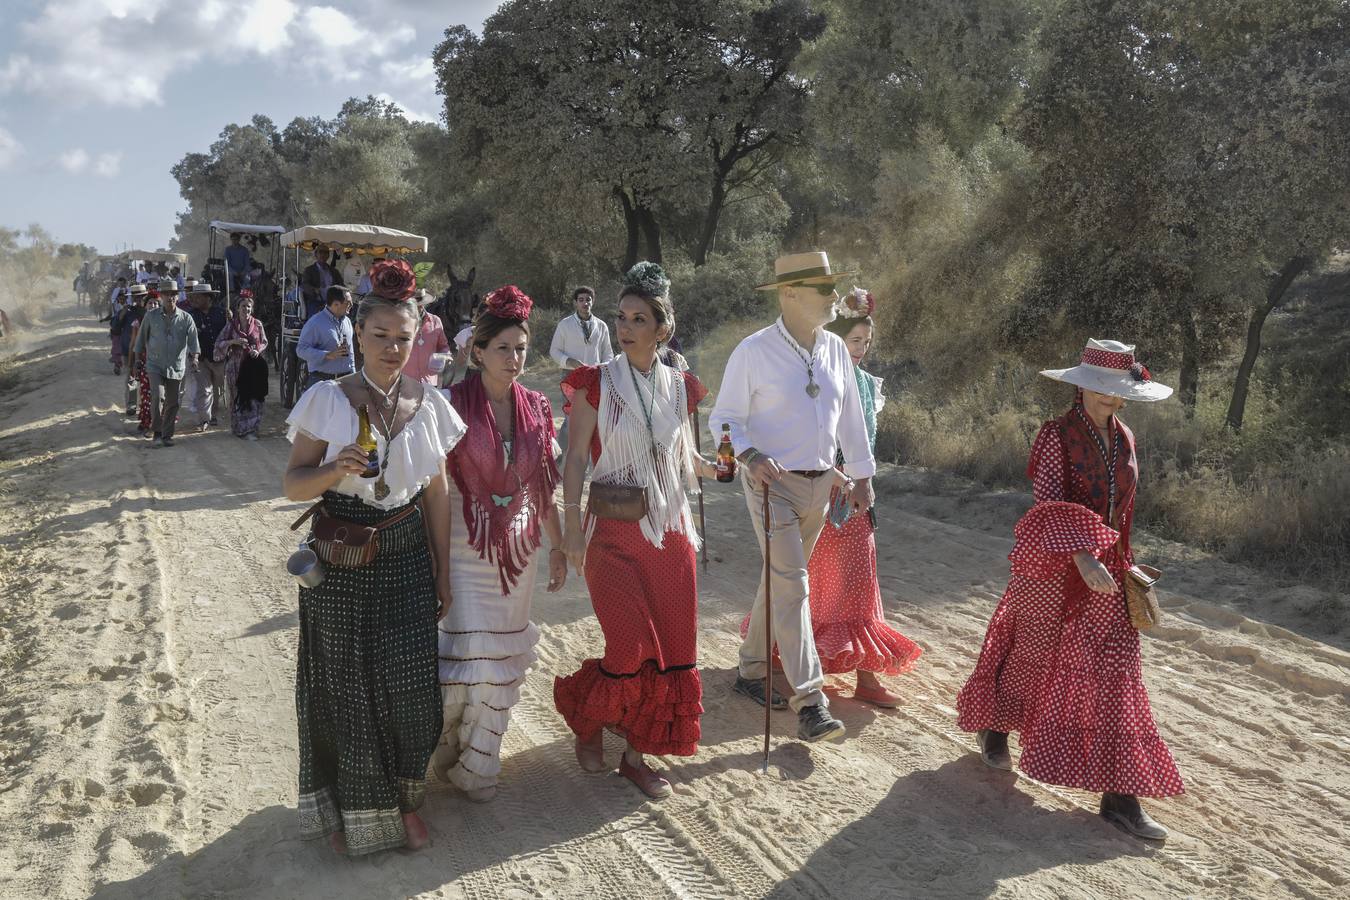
430, 339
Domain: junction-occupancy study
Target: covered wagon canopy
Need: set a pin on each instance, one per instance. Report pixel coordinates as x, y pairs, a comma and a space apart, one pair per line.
356, 238
244, 228
154, 256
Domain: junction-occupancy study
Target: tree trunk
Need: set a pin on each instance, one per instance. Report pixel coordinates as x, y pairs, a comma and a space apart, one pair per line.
630, 219
1237, 406
710, 219
651, 231
1189, 388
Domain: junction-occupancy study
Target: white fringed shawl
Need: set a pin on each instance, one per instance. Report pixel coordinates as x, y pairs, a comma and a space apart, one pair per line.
626, 446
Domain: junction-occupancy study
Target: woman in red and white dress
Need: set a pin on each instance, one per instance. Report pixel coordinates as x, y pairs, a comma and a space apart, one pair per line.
630, 418
1060, 663
502, 479
847, 619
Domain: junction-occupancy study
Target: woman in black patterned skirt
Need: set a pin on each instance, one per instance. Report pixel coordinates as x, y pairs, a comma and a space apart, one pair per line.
368, 701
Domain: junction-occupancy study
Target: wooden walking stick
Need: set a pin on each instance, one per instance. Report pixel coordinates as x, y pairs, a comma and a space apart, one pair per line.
768, 632
702, 523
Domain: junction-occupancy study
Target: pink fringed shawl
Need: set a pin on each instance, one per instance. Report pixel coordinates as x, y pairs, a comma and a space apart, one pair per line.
494, 490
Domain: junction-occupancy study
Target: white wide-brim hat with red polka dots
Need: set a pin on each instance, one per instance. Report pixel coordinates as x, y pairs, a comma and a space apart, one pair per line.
1109, 367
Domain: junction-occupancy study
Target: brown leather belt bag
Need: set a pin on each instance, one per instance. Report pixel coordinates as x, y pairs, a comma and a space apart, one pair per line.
617, 501
339, 542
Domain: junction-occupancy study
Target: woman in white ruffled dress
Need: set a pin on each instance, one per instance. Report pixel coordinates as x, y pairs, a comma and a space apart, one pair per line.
502, 479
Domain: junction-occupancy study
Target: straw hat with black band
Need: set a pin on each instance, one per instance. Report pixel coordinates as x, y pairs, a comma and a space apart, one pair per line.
812, 267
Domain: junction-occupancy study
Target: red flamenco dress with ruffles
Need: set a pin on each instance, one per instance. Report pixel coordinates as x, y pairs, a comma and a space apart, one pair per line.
646, 688
1060, 663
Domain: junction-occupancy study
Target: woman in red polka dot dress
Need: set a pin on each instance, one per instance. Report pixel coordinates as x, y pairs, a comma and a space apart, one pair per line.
1060, 663
847, 619
637, 542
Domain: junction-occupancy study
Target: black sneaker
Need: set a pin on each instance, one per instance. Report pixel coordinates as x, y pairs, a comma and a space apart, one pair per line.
214, 422
167, 442
814, 723
754, 689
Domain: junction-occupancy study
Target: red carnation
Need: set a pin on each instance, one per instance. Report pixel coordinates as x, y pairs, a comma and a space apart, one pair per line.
1140, 372
508, 302
245, 294
392, 279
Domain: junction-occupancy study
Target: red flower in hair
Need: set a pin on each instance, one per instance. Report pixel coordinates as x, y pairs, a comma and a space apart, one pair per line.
245, 294
392, 279
508, 302
152, 293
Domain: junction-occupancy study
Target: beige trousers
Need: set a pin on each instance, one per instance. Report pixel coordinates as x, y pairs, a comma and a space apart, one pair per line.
797, 510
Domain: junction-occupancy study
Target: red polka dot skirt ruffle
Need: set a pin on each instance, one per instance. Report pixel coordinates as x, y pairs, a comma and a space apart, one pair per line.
647, 687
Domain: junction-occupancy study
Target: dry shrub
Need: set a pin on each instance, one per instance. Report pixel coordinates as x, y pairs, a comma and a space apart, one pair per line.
991, 448
1290, 516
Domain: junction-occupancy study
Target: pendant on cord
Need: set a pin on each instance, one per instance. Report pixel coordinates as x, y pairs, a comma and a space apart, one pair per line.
812, 389
381, 489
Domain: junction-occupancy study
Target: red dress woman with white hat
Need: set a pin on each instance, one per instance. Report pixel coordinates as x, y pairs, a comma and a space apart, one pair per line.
1060, 663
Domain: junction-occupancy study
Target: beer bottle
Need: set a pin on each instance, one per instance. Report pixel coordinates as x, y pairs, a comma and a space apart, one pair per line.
726, 457
365, 439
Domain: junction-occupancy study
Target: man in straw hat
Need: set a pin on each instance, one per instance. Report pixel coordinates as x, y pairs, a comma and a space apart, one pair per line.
791, 401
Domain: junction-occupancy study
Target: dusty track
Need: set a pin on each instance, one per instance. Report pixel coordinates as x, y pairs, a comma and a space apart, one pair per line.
147, 737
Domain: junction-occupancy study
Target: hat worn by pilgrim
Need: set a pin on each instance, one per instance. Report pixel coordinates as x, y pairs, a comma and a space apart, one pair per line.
1109, 367
802, 268
138, 289
167, 286
201, 288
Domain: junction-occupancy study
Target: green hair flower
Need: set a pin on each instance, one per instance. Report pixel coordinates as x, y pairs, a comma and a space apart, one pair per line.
649, 278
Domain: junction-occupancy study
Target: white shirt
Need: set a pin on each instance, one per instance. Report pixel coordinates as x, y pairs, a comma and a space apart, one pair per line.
143, 276
763, 398
570, 340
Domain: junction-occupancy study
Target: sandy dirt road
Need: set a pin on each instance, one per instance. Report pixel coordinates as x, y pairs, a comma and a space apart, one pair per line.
147, 733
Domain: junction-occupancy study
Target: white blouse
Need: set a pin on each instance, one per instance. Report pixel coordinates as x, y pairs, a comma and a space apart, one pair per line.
415, 455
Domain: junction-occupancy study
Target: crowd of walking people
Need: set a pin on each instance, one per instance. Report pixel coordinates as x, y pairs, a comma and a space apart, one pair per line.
437, 515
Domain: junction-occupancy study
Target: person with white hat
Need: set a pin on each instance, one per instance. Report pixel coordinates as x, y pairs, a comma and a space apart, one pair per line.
1060, 663
790, 400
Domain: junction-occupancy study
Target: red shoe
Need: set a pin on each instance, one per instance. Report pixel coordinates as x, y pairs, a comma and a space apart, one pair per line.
591, 753
648, 781
877, 696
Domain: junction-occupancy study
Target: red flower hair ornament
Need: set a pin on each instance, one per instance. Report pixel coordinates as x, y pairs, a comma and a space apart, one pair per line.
508, 302
392, 279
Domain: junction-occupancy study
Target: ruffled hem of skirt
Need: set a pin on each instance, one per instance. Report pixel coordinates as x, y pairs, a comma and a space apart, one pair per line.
872, 646
980, 706
656, 712
1091, 761
481, 674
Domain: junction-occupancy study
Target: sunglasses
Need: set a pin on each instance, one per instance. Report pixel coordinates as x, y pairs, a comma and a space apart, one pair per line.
825, 290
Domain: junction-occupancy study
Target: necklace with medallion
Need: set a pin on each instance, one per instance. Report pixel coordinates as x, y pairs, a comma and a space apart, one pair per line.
812, 389
386, 428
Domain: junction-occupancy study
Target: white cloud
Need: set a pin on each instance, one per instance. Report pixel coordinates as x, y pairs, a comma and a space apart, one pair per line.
74, 161
108, 165
10, 149
122, 52
78, 161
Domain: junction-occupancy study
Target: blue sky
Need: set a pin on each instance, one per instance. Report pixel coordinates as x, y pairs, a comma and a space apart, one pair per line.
99, 98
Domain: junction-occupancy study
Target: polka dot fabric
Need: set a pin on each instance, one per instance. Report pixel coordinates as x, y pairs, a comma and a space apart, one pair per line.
847, 619
367, 700
646, 687
1060, 664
